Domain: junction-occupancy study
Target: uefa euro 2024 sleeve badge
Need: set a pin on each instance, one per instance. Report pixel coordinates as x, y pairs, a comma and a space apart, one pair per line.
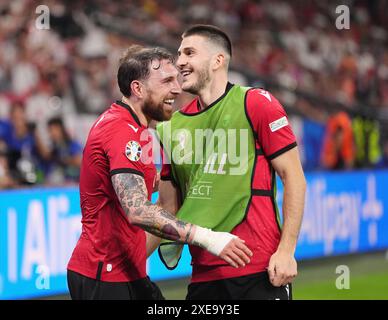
133, 151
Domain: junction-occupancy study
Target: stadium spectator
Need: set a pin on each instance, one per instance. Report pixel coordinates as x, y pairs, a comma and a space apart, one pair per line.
65, 154
338, 146
366, 132
384, 159
6, 179
25, 147
290, 44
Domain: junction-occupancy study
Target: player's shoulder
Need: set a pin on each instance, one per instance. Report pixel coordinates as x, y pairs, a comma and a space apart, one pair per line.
112, 124
258, 99
262, 97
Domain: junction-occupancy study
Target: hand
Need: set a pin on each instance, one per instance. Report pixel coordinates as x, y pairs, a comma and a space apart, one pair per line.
236, 253
225, 245
282, 268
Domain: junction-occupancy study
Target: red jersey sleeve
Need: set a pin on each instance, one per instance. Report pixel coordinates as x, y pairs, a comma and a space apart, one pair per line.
124, 151
270, 123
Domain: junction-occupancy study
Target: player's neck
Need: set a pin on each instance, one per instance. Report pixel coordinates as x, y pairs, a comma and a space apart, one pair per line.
214, 90
136, 108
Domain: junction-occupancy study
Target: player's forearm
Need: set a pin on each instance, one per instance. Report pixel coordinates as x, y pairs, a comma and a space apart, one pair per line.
162, 223
293, 206
168, 200
131, 192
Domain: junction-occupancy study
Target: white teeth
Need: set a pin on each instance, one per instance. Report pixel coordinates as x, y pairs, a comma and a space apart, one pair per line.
185, 73
169, 101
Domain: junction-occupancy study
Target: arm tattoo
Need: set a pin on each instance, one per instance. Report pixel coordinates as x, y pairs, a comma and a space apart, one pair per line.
132, 194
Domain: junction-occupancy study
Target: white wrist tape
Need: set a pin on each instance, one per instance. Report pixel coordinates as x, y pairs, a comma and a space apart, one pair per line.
214, 242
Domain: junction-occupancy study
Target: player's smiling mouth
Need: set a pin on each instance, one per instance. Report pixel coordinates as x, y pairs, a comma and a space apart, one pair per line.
186, 73
169, 101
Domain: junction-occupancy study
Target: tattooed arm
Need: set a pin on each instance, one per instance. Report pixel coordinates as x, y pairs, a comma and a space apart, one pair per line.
169, 201
132, 193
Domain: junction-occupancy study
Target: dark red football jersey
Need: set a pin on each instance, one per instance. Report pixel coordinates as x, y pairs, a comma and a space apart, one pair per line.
111, 248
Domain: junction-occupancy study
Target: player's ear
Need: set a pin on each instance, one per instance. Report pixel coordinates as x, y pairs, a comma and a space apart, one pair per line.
218, 61
137, 88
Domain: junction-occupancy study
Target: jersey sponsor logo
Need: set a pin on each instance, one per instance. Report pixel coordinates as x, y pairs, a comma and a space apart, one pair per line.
265, 94
201, 190
133, 150
133, 128
278, 124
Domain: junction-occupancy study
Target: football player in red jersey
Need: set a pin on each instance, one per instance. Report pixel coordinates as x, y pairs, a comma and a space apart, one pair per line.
204, 56
116, 183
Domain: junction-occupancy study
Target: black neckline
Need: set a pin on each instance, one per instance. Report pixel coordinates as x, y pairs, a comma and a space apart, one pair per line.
134, 115
227, 89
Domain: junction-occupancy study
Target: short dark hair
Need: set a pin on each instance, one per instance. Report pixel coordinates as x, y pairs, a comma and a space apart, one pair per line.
211, 32
57, 121
135, 65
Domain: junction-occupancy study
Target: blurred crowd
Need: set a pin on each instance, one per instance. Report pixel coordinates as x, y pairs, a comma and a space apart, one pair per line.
54, 82
26, 160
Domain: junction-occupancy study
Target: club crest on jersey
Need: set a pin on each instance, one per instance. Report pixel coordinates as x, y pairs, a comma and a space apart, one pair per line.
133, 150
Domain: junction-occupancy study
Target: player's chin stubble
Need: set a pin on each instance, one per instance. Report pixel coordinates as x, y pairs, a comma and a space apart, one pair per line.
156, 111
203, 79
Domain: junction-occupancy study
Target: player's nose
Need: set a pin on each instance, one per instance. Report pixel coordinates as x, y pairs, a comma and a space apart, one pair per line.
176, 88
181, 62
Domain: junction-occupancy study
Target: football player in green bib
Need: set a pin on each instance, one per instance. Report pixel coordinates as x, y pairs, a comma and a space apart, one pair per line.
221, 154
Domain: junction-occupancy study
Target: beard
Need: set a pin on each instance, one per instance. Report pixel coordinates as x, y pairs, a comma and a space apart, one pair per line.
203, 79
155, 110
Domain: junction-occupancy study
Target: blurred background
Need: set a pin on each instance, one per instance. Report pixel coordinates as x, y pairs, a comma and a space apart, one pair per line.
58, 64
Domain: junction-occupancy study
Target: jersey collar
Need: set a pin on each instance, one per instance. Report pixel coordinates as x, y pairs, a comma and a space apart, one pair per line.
134, 116
227, 89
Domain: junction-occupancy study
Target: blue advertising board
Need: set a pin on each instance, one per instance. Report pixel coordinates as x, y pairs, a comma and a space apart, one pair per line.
39, 229
345, 212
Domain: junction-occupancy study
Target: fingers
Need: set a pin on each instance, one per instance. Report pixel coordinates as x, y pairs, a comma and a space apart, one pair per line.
229, 260
282, 269
281, 277
278, 280
244, 248
271, 271
238, 262
236, 253
290, 278
242, 251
